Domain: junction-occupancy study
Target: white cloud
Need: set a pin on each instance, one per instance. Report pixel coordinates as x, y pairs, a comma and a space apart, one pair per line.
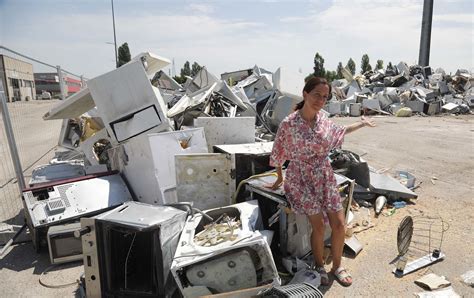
383, 29
295, 19
200, 8
465, 18
386, 30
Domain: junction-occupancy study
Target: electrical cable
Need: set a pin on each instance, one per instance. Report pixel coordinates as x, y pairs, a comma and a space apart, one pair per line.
126, 259
54, 286
234, 197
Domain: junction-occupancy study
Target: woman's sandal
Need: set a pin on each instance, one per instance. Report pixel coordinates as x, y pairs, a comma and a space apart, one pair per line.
324, 275
343, 277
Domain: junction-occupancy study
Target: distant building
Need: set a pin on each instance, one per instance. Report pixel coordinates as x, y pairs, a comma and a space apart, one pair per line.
17, 78
49, 81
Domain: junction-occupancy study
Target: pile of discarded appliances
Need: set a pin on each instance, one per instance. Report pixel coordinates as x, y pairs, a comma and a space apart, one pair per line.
160, 190
402, 91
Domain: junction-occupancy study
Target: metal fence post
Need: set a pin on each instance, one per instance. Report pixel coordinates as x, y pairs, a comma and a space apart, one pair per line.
11, 140
61, 82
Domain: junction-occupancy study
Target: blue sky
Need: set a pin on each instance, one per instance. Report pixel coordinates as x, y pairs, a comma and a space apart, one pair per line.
230, 35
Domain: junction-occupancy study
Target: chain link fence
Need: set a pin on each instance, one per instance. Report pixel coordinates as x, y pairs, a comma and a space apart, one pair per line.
35, 141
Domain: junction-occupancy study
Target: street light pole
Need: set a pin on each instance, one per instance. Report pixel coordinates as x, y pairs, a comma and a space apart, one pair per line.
115, 38
425, 39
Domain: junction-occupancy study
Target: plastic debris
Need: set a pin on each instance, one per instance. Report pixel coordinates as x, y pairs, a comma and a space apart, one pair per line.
380, 202
307, 276
447, 292
406, 178
468, 278
389, 212
399, 204
404, 112
433, 282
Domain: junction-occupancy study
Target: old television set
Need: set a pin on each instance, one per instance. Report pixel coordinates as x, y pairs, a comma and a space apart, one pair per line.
63, 246
128, 251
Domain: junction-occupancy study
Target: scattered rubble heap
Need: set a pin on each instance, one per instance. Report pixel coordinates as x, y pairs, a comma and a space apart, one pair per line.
171, 146
402, 91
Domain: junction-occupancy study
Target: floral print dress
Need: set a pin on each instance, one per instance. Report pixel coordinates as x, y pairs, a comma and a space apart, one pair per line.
310, 185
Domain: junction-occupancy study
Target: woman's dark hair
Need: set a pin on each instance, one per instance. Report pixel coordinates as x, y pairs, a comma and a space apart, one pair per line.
310, 85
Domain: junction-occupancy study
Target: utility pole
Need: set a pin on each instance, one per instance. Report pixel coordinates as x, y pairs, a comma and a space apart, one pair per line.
115, 38
425, 39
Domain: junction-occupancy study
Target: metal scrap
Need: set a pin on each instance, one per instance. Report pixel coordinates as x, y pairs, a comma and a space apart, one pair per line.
421, 89
221, 230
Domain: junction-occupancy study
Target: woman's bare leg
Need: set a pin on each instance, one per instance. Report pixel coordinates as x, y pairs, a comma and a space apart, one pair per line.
338, 227
317, 238
337, 223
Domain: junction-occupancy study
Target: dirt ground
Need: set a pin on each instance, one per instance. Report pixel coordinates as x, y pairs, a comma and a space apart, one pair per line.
428, 147
439, 151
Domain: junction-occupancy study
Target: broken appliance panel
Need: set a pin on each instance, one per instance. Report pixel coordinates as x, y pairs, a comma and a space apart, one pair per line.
244, 265
224, 260
64, 201
152, 63
390, 187
201, 80
246, 159
191, 101
95, 147
277, 108
127, 102
148, 162
204, 180
128, 251
229, 272
227, 130
74, 106
70, 134
54, 172
289, 83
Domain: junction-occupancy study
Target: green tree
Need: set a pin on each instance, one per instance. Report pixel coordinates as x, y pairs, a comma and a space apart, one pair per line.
339, 71
379, 64
179, 79
195, 68
124, 55
365, 65
330, 75
351, 66
319, 70
186, 70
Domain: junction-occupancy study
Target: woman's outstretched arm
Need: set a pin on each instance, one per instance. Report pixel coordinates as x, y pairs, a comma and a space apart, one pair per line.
359, 124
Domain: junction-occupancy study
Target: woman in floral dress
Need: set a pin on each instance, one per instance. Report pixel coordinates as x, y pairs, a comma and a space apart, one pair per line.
305, 138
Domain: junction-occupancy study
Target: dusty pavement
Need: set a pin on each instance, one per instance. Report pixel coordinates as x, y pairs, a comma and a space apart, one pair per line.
441, 147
